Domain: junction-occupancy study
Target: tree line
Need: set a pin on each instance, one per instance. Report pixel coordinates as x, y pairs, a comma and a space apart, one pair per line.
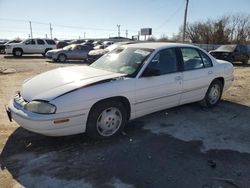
228, 29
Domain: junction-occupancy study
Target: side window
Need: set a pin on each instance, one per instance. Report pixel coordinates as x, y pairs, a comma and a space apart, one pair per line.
243, 49
165, 61
40, 42
83, 48
191, 59
50, 42
206, 60
237, 49
30, 42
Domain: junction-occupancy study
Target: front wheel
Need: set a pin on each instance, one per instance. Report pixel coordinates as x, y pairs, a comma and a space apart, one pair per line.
106, 119
213, 94
17, 52
61, 58
245, 61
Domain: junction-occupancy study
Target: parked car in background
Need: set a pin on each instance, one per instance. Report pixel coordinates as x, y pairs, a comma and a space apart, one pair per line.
97, 42
231, 53
61, 44
97, 53
129, 82
2, 46
30, 46
79, 41
98, 47
107, 43
70, 52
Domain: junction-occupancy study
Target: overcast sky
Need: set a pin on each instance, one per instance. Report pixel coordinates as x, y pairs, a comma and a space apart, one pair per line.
99, 18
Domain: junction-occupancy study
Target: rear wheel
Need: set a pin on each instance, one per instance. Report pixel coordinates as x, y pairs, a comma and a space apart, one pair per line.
213, 94
245, 61
106, 119
62, 58
17, 52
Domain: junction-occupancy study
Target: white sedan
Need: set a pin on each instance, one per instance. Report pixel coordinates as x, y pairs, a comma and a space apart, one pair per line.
129, 82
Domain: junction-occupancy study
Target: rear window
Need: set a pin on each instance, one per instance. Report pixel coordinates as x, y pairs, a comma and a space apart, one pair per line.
50, 42
40, 42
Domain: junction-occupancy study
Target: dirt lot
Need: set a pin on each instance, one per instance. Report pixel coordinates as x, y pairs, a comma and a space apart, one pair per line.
187, 146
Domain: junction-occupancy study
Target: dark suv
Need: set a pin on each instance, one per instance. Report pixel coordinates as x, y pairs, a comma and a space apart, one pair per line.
231, 53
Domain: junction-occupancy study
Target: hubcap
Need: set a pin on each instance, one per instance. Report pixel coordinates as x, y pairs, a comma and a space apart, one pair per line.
109, 121
61, 58
18, 52
214, 94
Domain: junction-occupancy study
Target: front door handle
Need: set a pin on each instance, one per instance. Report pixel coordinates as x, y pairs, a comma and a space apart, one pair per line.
210, 72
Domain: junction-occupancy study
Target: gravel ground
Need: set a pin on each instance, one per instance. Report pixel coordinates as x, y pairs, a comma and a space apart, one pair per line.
186, 146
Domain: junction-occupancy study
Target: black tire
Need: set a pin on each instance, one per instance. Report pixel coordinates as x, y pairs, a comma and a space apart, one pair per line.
17, 52
208, 100
2, 51
245, 61
61, 58
93, 130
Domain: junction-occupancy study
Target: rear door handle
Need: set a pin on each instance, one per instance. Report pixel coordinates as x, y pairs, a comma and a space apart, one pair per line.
177, 78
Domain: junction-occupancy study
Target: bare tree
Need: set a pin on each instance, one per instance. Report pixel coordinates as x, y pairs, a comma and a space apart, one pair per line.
227, 29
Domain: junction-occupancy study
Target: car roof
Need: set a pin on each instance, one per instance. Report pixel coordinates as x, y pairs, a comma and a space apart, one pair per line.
156, 45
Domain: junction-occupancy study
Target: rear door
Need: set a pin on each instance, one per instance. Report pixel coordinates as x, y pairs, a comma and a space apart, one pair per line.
40, 47
197, 74
154, 93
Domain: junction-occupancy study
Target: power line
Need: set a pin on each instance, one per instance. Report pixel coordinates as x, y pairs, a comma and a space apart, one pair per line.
170, 17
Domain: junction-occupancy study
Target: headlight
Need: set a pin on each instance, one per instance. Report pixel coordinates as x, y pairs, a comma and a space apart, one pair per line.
40, 107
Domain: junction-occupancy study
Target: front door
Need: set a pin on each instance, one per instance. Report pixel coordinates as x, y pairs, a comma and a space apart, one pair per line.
160, 90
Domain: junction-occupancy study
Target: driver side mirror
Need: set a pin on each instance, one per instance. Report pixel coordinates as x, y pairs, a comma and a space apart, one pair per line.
149, 71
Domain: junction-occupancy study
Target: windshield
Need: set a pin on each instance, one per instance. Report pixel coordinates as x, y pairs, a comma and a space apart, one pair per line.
229, 48
69, 47
123, 60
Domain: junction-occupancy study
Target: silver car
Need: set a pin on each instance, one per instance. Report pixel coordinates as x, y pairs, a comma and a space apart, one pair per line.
70, 52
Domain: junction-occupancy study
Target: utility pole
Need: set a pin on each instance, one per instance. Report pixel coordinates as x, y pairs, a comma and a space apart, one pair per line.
84, 35
126, 33
46, 36
31, 35
185, 22
119, 31
50, 29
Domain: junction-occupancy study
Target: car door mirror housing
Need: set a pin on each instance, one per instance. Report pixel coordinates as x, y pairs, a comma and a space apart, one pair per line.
148, 72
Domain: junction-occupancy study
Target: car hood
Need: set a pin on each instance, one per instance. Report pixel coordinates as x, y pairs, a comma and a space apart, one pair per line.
51, 84
221, 51
56, 50
98, 52
14, 44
